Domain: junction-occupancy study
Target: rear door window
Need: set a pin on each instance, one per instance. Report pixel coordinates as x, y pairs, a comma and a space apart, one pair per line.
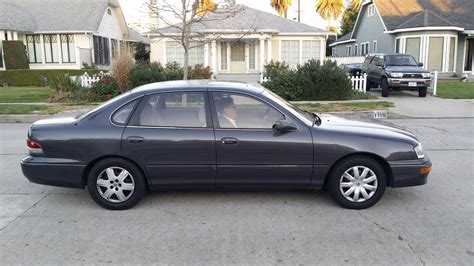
176, 109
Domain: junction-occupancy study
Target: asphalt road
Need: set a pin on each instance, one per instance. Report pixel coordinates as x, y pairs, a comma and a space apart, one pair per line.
431, 224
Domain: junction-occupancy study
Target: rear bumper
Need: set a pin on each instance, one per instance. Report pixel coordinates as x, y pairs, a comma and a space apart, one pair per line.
407, 173
53, 172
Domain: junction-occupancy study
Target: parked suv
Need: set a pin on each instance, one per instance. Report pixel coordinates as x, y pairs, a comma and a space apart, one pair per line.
396, 72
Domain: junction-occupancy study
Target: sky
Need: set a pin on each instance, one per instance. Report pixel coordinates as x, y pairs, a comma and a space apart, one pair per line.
135, 10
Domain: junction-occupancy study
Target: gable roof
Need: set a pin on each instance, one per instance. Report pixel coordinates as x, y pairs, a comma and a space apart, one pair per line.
346, 38
242, 19
53, 15
405, 14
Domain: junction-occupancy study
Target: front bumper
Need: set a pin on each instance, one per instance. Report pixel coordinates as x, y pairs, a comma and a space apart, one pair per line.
407, 173
53, 172
404, 82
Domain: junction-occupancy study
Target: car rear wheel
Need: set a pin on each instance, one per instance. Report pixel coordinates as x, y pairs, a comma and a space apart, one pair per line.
116, 184
385, 87
357, 182
422, 92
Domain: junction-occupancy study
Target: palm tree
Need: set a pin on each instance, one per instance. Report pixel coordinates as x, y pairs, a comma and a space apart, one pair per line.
203, 6
281, 6
355, 5
328, 9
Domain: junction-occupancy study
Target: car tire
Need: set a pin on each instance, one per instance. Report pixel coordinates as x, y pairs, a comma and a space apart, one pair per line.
116, 184
368, 85
366, 187
422, 92
385, 87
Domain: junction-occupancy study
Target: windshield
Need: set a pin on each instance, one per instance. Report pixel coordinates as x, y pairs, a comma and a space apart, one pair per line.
400, 60
302, 113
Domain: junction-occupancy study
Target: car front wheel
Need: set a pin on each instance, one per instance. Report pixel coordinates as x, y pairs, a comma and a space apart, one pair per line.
116, 184
385, 87
422, 92
357, 182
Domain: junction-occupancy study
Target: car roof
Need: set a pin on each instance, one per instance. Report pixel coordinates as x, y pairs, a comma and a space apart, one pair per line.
200, 84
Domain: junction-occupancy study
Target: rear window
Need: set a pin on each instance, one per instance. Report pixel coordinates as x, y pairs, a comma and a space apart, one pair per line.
120, 117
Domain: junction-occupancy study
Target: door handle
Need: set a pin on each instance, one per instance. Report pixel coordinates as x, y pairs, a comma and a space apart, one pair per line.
135, 140
229, 141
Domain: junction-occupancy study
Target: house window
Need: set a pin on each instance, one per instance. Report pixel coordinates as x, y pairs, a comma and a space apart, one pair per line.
371, 10
1, 55
115, 48
348, 50
374, 47
468, 60
252, 55
223, 56
109, 11
51, 52
355, 49
175, 53
364, 48
333, 51
33, 44
311, 50
67, 48
412, 47
290, 52
397, 46
101, 50
436, 53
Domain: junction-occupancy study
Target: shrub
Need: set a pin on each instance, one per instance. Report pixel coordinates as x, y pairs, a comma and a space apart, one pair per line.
199, 72
144, 73
283, 80
173, 71
63, 88
29, 77
103, 90
311, 81
122, 70
142, 54
324, 81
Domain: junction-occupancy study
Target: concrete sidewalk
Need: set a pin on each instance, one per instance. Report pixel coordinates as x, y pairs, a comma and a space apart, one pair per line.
408, 104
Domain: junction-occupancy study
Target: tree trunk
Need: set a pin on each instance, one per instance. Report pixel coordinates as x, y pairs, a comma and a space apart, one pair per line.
185, 63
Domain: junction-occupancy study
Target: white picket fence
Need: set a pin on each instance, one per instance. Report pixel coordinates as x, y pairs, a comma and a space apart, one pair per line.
359, 82
87, 81
342, 60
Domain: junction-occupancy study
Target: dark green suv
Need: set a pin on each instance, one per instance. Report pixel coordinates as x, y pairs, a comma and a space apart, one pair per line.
396, 72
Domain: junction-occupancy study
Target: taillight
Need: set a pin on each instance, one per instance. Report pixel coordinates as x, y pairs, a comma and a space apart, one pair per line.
32, 144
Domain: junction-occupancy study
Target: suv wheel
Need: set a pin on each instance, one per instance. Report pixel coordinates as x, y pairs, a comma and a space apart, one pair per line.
385, 87
422, 92
368, 85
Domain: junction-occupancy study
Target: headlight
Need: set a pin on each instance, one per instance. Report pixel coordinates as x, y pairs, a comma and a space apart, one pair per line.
419, 151
395, 74
426, 75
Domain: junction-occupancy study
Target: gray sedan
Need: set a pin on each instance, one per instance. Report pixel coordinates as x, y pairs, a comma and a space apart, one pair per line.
210, 135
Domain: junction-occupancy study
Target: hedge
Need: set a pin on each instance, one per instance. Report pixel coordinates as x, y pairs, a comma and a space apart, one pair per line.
30, 77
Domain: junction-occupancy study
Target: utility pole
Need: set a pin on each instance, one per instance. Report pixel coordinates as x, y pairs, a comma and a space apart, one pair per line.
299, 11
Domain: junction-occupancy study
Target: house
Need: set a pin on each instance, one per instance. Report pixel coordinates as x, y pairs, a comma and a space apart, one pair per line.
242, 43
61, 34
438, 33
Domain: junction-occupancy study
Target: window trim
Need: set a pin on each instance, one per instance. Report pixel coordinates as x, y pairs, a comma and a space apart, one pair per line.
356, 48
370, 10
215, 119
374, 46
134, 119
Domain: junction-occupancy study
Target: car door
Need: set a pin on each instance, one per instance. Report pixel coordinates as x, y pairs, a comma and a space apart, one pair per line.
249, 152
171, 136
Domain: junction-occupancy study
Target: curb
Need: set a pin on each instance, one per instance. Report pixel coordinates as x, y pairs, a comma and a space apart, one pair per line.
374, 114
21, 118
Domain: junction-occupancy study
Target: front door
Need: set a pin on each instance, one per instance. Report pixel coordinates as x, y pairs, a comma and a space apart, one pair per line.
171, 137
237, 58
250, 153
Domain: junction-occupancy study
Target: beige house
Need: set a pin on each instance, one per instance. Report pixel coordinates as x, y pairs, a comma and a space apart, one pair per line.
242, 43
61, 34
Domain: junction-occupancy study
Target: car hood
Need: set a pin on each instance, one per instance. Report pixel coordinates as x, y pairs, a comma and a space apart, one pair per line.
406, 69
377, 129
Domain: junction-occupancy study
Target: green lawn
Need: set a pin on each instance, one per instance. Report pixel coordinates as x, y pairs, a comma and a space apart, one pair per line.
345, 107
24, 94
455, 90
14, 109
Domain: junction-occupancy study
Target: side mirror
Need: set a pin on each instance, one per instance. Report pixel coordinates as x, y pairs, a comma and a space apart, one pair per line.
420, 64
284, 125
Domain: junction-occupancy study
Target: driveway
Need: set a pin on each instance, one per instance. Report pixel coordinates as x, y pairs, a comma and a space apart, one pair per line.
430, 224
408, 104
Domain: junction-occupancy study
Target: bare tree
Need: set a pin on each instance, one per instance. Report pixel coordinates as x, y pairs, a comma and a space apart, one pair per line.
190, 31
